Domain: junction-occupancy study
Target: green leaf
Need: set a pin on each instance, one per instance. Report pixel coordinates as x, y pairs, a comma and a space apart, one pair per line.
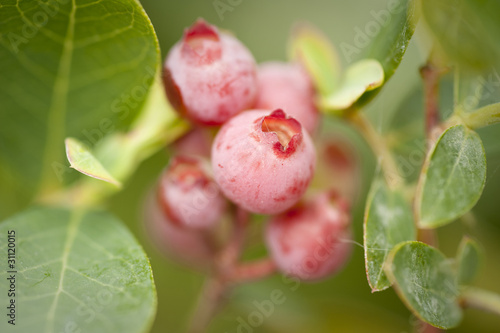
452, 178
425, 282
82, 160
83, 73
467, 30
390, 44
468, 258
485, 116
364, 75
80, 271
315, 51
121, 153
388, 221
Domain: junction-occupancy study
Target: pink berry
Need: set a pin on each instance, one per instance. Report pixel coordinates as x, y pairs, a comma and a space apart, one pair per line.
186, 246
263, 161
209, 75
188, 195
311, 241
287, 86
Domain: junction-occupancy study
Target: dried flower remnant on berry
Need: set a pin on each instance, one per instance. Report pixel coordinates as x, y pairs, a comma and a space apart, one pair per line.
188, 195
263, 161
209, 75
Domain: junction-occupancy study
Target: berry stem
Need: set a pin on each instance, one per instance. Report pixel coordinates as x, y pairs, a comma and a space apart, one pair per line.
379, 148
252, 271
209, 302
227, 273
231, 253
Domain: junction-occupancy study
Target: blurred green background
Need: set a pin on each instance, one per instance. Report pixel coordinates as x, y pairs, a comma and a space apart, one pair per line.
343, 303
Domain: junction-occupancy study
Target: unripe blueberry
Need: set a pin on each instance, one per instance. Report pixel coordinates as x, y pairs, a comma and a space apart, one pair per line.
311, 240
287, 86
263, 161
209, 75
188, 195
187, 246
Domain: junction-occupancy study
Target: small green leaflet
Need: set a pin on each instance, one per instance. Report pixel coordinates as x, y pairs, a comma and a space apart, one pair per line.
388, 221
452, 178
320, 58
82, 160
362, 76
425, 281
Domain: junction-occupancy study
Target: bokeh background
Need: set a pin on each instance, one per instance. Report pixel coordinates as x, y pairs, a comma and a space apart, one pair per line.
343, 303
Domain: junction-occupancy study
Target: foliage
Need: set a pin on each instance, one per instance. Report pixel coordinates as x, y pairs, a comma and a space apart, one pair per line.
86, 81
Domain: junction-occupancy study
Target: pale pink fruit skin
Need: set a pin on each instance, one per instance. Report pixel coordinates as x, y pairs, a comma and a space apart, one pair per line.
311, 241
252, 172
186, 246
190, 199
287, 86
211, 90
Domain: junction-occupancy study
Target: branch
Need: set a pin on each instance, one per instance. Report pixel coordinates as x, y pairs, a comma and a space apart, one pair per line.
487, 115
430, 75
209, 302
379, 148
231, 253
481, 299
252, 271
216, 286
227, 273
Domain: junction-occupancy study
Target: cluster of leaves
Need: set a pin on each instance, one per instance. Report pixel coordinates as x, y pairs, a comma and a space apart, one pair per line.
87, 75
84, 73
453, 174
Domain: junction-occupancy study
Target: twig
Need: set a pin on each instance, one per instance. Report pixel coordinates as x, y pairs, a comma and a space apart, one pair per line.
431, 75
227, 273
423, 327
481, 299
209, 302
428, 236
231, 253
379, 148
252, 271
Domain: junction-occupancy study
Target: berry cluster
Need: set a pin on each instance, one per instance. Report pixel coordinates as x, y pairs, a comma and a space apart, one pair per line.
262, 159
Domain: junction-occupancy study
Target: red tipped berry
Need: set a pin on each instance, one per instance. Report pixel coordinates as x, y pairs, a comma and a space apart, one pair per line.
188, 196
263, 161
209, 75
311, 241
287, 86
